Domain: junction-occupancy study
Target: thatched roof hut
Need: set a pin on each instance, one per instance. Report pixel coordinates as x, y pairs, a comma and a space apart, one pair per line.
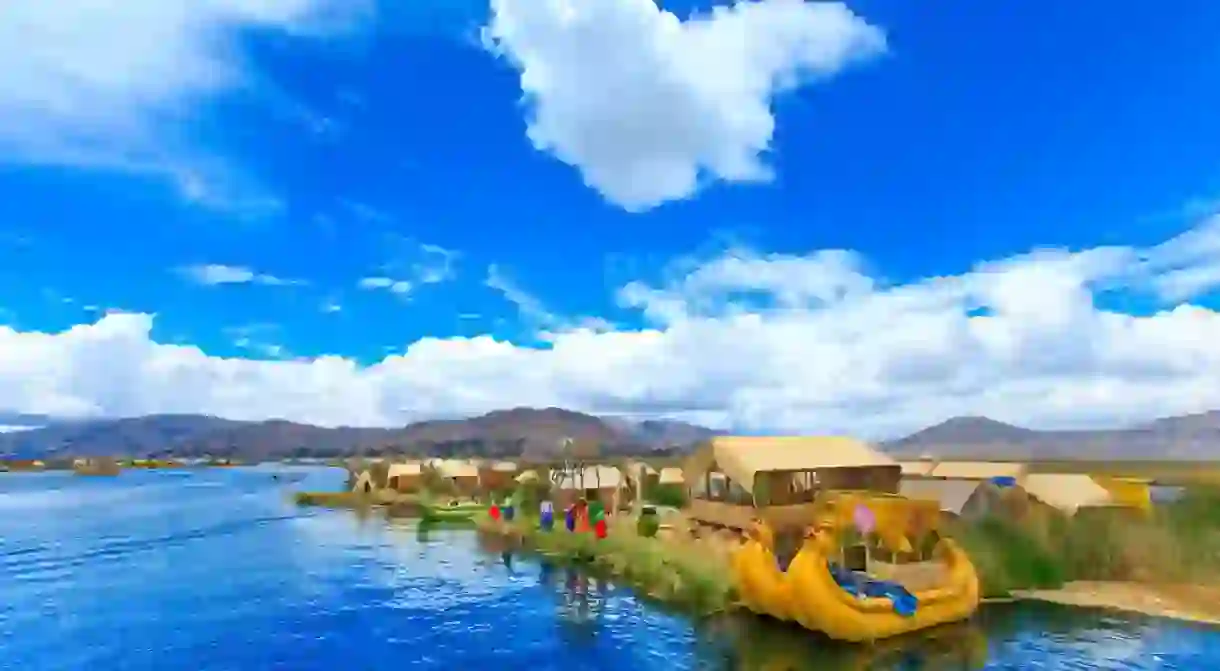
592, 477
764, 463
671, 475
1067, 492
967, 499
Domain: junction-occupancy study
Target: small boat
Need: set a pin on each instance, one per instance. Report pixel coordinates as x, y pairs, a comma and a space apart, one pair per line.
451, 511
817, 593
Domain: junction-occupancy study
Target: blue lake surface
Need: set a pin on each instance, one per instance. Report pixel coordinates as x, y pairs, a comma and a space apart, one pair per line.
216, 570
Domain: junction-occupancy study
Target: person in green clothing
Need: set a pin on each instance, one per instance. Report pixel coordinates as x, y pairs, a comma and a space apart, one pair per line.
597, 511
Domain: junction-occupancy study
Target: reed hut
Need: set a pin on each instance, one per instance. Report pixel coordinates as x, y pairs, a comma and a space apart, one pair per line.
671, 476
405, 476
958, 499
497, 475
592, 483
362, 482
462, 476
1068, 493
732, 479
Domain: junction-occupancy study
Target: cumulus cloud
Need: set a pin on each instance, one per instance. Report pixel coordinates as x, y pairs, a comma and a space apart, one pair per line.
116, 85
761, 342
647, 105
215, 274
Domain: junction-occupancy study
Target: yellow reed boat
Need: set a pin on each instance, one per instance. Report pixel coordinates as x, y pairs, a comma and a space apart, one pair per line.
818, 594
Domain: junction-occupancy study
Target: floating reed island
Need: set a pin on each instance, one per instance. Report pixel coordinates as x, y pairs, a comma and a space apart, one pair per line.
353, 500
1022, 527
676, 569
100, 466
437, 488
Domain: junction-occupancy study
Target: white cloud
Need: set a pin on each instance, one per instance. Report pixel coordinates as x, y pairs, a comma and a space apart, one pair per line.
120, 85
436, 264
400, 287
259, 339
214, 274
762, 342
529, 308
412, 265
646, 105
542, 322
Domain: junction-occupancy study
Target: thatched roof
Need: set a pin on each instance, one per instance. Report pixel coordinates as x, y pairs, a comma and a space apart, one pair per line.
1068, 492
978, 470
670, 476
408, 469
741, 458
452, 468
501, 466
527, 476
601, 477
952, 495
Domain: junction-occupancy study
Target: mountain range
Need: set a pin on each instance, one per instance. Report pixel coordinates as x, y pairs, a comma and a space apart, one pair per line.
1194, 437
518, 432
541, 433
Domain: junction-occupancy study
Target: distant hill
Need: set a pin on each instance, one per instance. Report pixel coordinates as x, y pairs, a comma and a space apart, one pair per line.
1185, 438
538, 433
517, 432
664, 432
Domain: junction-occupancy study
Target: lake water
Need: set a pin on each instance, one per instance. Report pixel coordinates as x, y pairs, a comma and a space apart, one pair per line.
217, 571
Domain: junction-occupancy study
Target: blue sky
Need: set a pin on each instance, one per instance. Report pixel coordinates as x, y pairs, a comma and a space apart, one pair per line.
395, 146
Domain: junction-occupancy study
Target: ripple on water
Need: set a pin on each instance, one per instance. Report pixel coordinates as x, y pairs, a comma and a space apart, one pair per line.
217, 572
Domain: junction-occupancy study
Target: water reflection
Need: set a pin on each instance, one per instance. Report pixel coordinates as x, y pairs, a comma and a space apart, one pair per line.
749, 643
593, 615
581, 598
756, 644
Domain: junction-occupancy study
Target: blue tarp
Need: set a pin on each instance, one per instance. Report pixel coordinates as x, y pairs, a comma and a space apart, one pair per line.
860, 585
1004, 481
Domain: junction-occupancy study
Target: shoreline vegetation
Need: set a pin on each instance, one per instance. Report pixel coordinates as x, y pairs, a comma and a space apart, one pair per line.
690, 575
1163, 562
395, 504
1198, 604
